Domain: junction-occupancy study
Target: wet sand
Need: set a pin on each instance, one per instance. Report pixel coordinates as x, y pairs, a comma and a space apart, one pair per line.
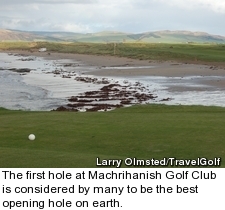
160, 68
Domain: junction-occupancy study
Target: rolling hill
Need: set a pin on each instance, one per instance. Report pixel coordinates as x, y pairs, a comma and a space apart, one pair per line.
113, 36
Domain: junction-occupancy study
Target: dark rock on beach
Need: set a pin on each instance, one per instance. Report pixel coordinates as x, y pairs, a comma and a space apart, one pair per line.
23, 70
108, 97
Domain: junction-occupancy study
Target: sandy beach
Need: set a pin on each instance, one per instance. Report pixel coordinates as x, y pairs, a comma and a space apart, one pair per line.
161, 68
186, 83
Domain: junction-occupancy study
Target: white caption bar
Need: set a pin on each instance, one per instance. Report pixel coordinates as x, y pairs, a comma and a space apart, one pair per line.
142, 188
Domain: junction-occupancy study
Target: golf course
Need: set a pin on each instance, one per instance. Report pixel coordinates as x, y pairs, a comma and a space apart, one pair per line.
70, 139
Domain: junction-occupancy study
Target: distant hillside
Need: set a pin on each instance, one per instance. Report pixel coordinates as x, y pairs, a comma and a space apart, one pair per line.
14, 35
112, 36
179, 37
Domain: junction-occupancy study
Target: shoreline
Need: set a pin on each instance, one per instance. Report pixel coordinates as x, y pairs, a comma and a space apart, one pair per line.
161, 68
64, 79
141, 81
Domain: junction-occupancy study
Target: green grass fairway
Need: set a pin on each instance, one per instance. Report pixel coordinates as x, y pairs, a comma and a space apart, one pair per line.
70, 139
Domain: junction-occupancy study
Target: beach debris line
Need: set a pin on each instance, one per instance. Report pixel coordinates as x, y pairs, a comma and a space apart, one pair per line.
22, 70
27, 59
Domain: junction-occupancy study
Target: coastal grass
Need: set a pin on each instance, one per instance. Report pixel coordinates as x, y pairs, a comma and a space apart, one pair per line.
145, 51
74, 139
16, 45
209, 53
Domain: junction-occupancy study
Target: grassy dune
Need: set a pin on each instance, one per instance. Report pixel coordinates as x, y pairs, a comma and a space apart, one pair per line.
67, 139
144, 51
11, 45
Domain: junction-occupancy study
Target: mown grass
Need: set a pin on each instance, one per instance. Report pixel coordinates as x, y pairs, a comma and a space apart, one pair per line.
143, 51
68, 139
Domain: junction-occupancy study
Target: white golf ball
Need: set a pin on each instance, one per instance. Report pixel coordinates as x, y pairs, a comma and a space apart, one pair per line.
31, 137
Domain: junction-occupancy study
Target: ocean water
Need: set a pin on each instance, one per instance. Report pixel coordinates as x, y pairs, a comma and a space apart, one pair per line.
189, 90
44, 88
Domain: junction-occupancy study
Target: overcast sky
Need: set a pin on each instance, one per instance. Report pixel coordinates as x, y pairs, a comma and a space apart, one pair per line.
114, 15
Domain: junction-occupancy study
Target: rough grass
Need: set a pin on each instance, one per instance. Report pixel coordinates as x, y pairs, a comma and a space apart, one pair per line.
143, 51
17, 45
67, 139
